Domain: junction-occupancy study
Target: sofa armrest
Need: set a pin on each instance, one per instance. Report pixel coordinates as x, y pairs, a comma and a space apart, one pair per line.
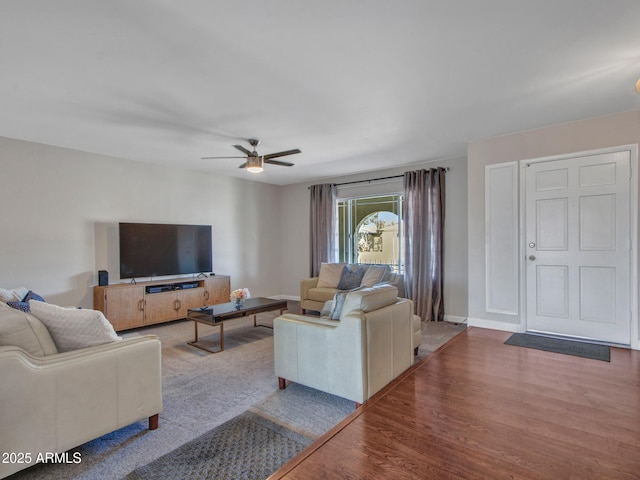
60, 401
305, 285
389, 343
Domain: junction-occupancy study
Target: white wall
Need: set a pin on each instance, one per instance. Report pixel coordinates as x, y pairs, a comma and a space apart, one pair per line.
61, 207
591, 134
294, 210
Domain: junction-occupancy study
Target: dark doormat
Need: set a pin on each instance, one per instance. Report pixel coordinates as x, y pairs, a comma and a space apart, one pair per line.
247, 447
567, 347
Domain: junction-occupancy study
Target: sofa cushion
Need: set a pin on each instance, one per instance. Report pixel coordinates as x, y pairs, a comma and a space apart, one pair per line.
321, 294
74, 328
368, 299
330, 274
373, 275
25, 331
350, 278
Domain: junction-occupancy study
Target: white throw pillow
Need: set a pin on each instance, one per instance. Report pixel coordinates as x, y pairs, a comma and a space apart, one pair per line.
74, 328
13, 295
373, 275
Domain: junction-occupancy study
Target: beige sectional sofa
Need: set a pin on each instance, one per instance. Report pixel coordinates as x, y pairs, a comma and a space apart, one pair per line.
53, 401
315, 291
353, 357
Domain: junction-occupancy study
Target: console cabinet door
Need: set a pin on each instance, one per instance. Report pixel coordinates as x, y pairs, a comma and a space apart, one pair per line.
190, 298
217, 290
161, 307
123, 307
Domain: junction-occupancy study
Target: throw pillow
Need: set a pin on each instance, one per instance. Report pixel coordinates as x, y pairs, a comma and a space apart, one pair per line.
13, 295
25, 331
373, 275
31, 295
23, 305
350, 279
73, 328
329, 275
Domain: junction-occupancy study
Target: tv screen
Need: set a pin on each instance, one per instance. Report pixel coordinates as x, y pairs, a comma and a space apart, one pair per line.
153, 249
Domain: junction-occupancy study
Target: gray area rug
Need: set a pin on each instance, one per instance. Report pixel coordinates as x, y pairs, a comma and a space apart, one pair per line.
556, 345
247, 447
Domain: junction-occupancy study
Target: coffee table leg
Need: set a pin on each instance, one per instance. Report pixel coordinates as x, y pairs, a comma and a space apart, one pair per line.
195, 342
256, 324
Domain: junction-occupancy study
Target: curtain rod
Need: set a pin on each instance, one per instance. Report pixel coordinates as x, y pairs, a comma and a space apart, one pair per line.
446, 169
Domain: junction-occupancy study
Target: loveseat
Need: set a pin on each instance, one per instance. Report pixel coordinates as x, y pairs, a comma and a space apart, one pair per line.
353, 357
315, 291
55, 397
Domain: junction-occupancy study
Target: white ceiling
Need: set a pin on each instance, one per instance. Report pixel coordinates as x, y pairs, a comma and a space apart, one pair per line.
357, 85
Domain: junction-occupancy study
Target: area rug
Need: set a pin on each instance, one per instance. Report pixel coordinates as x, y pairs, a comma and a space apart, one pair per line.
245, 447
567, 347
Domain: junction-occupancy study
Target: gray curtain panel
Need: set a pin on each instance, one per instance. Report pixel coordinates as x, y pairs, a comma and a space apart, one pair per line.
423, 218
323, 225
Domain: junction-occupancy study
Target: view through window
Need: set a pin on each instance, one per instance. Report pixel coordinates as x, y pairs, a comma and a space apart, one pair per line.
370, 231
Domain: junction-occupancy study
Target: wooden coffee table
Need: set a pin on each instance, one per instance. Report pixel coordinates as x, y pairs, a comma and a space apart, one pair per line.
216, 315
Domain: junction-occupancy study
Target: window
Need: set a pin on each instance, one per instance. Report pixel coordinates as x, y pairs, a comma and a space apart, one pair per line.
370, 231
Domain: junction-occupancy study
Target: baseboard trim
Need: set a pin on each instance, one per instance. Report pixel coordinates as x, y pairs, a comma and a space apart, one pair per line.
455, 319
285, 297
495, 325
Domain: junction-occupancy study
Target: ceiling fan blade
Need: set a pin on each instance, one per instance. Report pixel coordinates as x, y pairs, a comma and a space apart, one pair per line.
244, 150
210, 158
282, 154
277, 162
244, 165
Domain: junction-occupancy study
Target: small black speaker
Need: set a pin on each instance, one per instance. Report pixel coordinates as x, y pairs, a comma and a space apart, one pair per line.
103, 278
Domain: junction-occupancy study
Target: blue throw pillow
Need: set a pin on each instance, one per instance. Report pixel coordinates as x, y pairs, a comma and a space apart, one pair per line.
350, 279
31, 295
22, 306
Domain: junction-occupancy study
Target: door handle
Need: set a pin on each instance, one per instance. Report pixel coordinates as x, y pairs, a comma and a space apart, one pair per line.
532, 257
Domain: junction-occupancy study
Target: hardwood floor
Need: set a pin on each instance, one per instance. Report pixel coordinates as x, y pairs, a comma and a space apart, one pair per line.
480, 409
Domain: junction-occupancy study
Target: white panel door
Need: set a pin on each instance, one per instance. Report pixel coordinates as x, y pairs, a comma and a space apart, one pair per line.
578, 247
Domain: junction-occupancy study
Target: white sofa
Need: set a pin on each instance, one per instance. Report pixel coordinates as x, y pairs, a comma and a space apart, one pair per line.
51, 402
353, 357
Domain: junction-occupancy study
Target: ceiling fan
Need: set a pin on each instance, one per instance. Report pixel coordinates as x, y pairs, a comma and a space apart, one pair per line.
254, 163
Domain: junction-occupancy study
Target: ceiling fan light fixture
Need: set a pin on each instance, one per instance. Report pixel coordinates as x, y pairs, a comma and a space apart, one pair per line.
254, 164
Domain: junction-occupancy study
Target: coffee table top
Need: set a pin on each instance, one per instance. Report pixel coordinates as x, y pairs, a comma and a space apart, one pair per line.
226, 311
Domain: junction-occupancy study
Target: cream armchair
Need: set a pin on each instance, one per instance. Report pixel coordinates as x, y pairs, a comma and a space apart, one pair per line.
354, 357
52, 402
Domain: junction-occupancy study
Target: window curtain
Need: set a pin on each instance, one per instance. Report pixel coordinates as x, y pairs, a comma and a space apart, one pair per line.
323, 224
423, 218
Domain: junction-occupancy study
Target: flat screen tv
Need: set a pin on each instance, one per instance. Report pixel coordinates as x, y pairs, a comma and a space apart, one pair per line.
154, 249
